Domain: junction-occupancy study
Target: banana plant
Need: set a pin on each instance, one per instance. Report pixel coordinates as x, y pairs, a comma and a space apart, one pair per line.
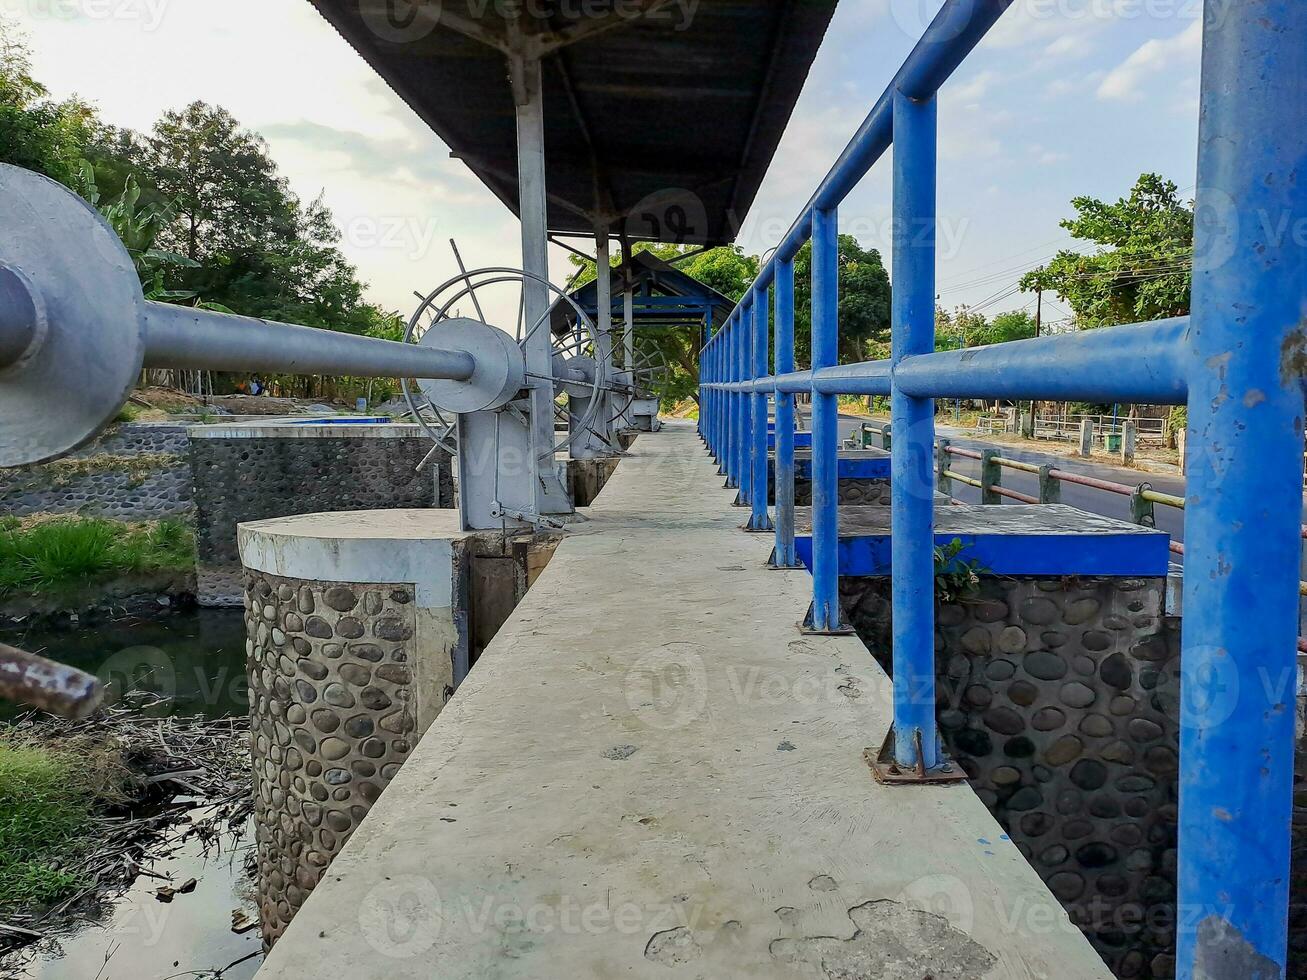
139, 228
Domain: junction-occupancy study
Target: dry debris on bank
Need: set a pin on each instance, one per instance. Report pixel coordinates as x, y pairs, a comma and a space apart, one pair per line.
179, 779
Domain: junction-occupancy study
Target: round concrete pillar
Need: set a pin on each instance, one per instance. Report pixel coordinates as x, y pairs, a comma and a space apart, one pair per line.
356, 635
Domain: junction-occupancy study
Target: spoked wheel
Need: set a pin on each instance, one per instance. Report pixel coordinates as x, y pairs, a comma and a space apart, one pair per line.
568, 372
649, 377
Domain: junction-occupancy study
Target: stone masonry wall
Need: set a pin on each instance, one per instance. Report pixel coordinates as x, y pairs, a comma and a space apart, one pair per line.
134, 472
251, 479
331, 687
852, 491
1059, 699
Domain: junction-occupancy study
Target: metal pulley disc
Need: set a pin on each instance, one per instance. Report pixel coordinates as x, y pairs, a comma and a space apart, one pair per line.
68, 274
575, 375
500, 367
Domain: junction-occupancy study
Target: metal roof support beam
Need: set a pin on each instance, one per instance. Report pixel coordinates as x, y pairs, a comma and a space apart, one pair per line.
600, 440
551, 496
593, 26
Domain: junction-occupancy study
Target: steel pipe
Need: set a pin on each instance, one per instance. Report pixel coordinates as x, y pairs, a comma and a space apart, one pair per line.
867, 378
1244, 479
1142, 362
955, 31
784, 555
912, 471
195, 339
759, 518
826, 615
792, 382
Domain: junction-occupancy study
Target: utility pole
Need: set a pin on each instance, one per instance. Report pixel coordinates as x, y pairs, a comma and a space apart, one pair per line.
1039, 316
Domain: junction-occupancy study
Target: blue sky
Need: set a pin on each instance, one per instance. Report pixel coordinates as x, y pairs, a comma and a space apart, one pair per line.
1065, 97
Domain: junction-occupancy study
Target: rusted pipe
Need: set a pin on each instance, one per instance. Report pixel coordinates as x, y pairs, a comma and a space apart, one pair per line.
1089, 481
1016, 495
54, 687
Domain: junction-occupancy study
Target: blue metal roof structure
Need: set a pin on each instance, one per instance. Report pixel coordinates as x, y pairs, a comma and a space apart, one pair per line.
664, 297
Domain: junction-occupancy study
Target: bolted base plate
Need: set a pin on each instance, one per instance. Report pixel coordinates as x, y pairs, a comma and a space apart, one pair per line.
887, 771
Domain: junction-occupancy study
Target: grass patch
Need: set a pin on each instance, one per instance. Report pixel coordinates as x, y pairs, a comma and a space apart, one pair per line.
62, 553
128, 413
47, 799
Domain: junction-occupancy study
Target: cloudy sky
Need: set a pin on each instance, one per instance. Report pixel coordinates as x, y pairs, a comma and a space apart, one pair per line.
1065, 97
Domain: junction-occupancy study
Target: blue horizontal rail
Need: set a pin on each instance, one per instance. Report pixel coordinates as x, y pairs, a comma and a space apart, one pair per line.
1238, 362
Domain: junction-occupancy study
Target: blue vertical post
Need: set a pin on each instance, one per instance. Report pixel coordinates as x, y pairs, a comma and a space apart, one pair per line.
702, 425
784, 556
825, 616
1248, 334
912, 471
744, 464
708, 358
759, 519
717, 397
732, 403
720, 410
719, 402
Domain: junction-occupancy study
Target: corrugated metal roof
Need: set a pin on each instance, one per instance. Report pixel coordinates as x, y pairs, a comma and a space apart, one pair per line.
664, 123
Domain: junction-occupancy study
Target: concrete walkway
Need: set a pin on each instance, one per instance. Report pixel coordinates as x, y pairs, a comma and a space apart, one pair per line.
650, 773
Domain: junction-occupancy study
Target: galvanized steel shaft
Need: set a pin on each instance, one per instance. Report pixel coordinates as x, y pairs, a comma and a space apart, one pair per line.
189, 338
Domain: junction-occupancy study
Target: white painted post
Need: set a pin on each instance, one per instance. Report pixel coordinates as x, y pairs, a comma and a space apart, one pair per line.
1086, 437
1129, 438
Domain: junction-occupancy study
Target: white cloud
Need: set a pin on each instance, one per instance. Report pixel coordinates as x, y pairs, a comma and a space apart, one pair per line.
973, 89
1069, 46
1174, 55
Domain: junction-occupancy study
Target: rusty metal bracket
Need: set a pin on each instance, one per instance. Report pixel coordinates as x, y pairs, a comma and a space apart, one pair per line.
890, 773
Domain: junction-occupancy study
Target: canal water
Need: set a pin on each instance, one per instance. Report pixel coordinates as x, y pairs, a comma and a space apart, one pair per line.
193, 663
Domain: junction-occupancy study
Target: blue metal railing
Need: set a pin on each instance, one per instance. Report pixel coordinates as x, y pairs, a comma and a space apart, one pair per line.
1238, 361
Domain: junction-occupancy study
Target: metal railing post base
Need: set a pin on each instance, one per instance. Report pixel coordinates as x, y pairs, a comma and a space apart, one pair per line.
890, 773
810, 626
776, 564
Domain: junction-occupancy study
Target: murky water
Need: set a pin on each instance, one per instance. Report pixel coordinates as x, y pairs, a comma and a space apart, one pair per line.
195, 663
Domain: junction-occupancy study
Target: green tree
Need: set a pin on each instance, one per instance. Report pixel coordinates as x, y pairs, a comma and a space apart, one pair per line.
36, 132
864, 301
1142, 269
726, 269
138, 226
957, 329
258, 250
1005, 327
